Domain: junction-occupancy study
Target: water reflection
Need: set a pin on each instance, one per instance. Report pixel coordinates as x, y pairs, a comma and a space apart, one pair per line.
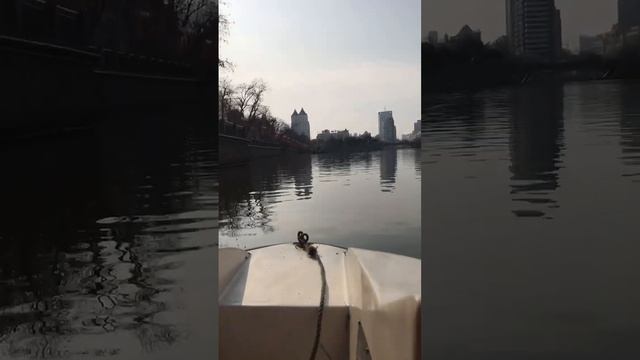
388, 168
566, 158
535, 145
361, 199
473, 127
108, 238
303, 177
630, 128
332, 165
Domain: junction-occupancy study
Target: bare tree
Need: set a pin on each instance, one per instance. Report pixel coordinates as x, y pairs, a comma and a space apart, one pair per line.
281, 126
226, 91
188, 10
256, 108
243, 97
223, 33
263, 112
249, 98
246, 100
197, 21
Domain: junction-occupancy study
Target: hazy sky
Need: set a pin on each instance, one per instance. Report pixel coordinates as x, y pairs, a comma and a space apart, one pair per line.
343, 61
578, 17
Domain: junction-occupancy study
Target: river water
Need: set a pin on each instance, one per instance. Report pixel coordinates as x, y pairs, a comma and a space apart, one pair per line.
369, 200
109, 241
531, 208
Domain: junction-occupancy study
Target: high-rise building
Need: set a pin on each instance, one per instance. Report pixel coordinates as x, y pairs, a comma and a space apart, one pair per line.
534, 29
386, 127
628, 15
300, 123
591, 45
415, 134
557, 35
432, 37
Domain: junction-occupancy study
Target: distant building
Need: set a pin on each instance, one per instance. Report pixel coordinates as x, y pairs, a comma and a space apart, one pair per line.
415, 134
466, 33
324, 135
386, 127
629, 21
342, 134
556, 42
300, 123
611, 40
534, 29
633, 34
333, 134
628, 15
432, 37
614, 39
591, 45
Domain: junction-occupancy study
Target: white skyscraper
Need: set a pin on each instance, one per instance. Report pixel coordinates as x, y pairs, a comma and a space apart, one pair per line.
300, 123
386, 127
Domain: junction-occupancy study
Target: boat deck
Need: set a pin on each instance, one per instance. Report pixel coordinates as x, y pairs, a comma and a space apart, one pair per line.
270, 297
283, 275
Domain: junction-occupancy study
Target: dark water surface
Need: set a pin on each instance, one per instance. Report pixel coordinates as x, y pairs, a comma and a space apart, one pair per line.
109, 242
531, 223
366, 200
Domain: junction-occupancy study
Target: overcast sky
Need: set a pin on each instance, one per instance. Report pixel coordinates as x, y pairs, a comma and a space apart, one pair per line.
578, 17
343, 61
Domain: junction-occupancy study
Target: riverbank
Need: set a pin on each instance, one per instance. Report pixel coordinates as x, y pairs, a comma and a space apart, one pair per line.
346, 145
477, 78
235, 150
40, 79
238, 150
473, 66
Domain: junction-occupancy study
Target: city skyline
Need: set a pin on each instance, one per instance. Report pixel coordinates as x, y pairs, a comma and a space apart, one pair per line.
294, 124
589, 17
373, 133
343, 71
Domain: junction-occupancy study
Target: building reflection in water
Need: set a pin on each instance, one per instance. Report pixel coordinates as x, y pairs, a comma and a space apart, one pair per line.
98, 236
334, 197
331, 165
388, 168
630, 128
418, 163
536, 142
302, 175
367, 161
461, 117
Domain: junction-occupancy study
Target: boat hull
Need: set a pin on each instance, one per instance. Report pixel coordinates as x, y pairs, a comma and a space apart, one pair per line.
270, 300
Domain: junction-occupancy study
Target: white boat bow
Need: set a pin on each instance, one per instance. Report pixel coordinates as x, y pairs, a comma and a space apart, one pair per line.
270, 301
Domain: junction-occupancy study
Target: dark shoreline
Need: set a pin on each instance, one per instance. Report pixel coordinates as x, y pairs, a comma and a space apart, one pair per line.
472, 65
49, 88
244, 160
473, 86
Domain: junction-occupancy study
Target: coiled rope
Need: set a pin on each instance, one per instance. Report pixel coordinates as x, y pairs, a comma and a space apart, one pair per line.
304, 244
